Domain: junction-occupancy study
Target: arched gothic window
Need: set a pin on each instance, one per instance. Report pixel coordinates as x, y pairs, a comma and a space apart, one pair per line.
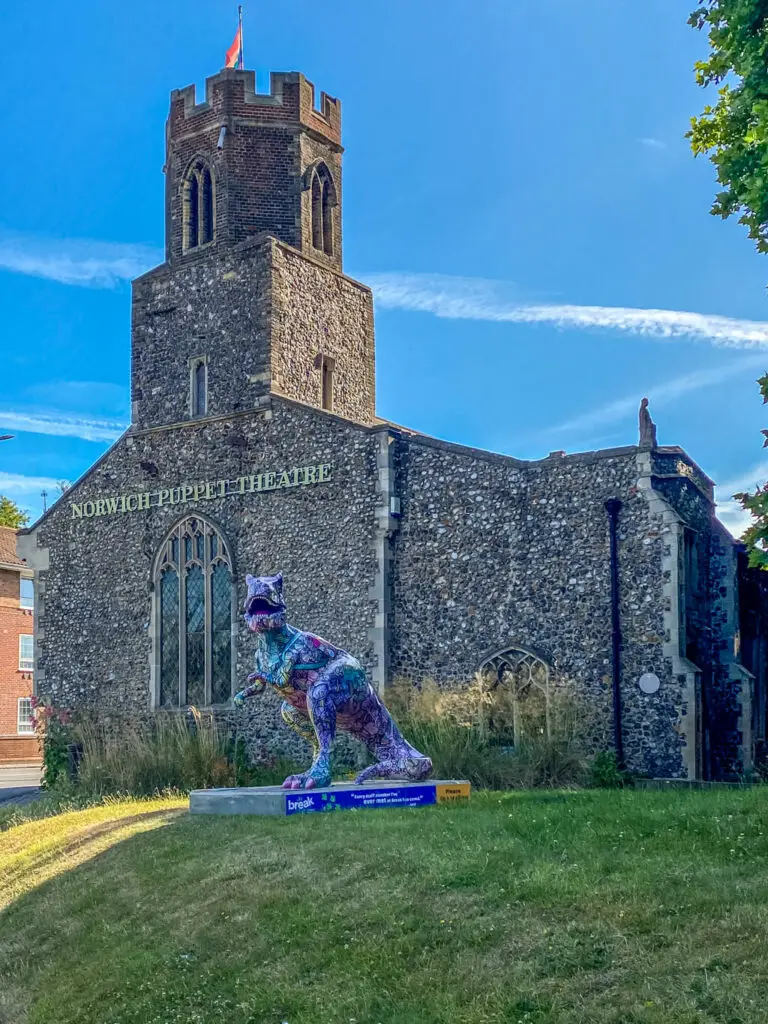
323, 200
524, 680
193, 616
327, 219
317, 212
198, 205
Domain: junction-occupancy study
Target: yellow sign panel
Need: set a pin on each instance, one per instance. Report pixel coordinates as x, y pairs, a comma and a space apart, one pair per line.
447, 791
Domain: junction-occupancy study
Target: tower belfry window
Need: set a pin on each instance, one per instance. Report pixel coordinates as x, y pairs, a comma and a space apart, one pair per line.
198, 205
206, 222
317, 213
323, 200
327, 220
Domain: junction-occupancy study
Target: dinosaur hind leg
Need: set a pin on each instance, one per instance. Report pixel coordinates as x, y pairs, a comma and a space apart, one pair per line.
302, 726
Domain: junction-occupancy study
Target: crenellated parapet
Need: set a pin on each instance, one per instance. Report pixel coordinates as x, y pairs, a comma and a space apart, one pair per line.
231, 94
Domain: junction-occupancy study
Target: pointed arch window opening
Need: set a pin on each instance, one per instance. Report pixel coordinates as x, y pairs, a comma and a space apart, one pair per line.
322, 201
327, 205
521, 675
194, 614
198, 206
317, 213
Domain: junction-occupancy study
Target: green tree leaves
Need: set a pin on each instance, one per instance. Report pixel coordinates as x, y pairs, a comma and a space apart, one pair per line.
11, 515
734, 131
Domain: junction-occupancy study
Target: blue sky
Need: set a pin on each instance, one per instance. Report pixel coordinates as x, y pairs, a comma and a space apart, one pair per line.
517, 190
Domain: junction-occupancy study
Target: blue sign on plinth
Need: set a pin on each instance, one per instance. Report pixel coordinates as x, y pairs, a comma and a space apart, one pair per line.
305, 802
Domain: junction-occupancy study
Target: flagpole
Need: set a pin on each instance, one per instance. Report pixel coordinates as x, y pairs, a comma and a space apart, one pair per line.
240, 25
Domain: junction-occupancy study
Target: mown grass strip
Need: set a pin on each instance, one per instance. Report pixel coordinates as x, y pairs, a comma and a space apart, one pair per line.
599, 907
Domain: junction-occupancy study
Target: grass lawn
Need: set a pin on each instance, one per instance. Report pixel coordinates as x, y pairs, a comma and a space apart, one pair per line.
589, 907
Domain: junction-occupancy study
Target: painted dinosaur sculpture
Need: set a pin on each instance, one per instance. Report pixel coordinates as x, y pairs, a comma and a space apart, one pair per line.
323, 687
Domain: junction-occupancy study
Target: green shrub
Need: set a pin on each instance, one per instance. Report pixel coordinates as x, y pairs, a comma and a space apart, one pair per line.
54, 729
606, 773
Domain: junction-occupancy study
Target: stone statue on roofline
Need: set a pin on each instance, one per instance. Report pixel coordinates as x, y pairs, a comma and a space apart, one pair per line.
647, 427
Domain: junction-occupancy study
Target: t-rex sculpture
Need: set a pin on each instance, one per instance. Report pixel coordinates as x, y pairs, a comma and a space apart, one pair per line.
322, 687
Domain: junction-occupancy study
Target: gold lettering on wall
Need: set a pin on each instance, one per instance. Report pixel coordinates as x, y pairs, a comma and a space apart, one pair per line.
201, 490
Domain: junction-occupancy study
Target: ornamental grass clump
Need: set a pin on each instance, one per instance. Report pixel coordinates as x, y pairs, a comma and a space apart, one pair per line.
492, 736
169, 752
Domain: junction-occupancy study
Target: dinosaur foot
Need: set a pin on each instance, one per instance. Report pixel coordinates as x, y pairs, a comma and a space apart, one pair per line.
409, 769
313, 779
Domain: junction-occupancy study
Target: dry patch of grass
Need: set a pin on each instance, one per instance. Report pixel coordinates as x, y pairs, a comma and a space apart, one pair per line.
33, 852
581, 908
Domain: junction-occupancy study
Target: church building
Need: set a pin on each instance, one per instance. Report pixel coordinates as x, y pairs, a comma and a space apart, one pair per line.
254, 446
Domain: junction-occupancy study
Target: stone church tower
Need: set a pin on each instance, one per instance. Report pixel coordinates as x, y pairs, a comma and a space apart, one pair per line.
252, 299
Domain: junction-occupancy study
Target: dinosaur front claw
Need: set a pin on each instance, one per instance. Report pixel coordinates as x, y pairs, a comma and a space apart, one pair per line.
317, 777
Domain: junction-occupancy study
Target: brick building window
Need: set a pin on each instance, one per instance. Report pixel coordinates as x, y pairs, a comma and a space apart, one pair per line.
193, 614
198, 386
323, 200
26, 653
198, 205
26, 593
25, 722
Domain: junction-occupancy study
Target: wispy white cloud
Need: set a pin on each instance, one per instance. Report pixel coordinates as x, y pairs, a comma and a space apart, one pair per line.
730, 512
60, 425
19, 484
105, 400
651, 143
752, 478
26, 491
462, 298
660, 394
733, 517
75, 261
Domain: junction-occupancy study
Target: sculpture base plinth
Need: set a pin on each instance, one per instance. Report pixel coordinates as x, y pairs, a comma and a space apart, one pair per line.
274, 801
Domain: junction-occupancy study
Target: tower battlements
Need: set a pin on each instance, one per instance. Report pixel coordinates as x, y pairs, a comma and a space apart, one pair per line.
231, 96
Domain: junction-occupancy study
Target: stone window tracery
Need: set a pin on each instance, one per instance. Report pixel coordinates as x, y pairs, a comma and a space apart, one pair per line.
193, 615
523, 678
198, 205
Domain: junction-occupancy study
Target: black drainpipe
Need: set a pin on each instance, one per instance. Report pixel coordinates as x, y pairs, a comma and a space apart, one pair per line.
613, 507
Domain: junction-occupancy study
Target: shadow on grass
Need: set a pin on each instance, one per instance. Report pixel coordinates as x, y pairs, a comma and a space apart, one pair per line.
27, 872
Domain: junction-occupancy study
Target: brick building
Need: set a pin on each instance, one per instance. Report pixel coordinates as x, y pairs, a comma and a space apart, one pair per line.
18, 744
254, 447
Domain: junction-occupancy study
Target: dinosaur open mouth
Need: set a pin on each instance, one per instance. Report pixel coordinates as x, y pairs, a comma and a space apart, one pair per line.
260, 606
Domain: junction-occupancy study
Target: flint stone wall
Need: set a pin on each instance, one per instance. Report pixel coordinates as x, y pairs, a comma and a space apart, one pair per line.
261, 313
487, 553
493, 554
317, 311
94, 645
